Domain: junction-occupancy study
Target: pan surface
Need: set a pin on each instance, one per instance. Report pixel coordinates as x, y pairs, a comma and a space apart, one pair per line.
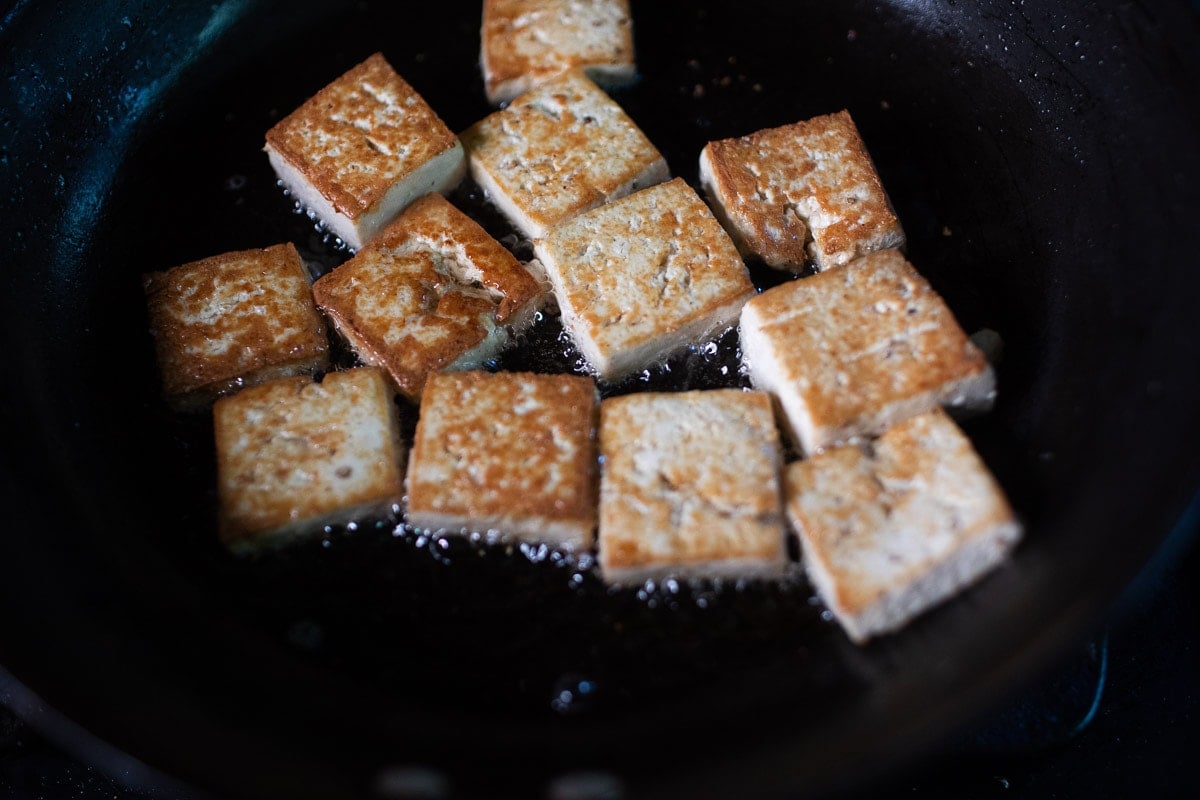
1044, 164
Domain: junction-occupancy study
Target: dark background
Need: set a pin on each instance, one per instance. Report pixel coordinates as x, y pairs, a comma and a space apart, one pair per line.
1120, 717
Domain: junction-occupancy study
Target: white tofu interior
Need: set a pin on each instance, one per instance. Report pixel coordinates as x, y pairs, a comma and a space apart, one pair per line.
440, 174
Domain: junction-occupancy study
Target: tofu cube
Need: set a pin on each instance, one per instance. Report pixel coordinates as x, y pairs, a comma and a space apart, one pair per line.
644, 276
800, 190
233, 320
889, 531
559, 150
524, 42
434, 291
512, 452
294, 455
362, 149
689, 487
852, 352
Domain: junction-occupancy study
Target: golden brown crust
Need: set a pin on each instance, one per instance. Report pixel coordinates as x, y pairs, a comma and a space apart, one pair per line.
360, 135
850, 343
524, 42
292, 453
767, 227
432, 222
876, 521
812, 179
689, 479
233, 320
408, 301
560, 149
513, 449
633, 274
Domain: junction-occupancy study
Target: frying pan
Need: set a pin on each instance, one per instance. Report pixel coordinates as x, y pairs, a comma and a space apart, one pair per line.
1044, 161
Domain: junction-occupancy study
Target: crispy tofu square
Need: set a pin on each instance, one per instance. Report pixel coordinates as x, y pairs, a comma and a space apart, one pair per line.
804, 189
513, 452
233, 320
294, 455
852, 352
893, 529
558, 150
689, 486
434, 291
362, 149
644, 276
524, 42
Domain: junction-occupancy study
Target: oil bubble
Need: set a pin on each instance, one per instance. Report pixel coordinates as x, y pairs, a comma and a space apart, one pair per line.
573, 694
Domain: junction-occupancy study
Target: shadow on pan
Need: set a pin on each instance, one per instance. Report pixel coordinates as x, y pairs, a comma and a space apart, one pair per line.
1043, 164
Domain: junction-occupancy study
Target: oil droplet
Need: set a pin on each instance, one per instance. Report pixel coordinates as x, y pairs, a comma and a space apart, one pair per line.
535, 553
573, 694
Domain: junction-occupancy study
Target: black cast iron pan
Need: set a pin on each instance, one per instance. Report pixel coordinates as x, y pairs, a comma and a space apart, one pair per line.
1044, 163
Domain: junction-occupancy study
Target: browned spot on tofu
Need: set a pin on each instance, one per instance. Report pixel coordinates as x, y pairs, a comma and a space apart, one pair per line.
879, 520
432, 286
560, 149
524, 42
293, 454
809, 188
859, 339
509, 450
643, 275
689, 478
231, 320
360, 135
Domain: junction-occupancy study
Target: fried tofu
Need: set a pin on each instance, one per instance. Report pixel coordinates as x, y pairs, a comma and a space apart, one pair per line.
558, 150
512, 452
801, 190
524, 42
890, 530
852, 352
233, 320
294, 455
689, 487
643, 277
362, 149
434, 291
